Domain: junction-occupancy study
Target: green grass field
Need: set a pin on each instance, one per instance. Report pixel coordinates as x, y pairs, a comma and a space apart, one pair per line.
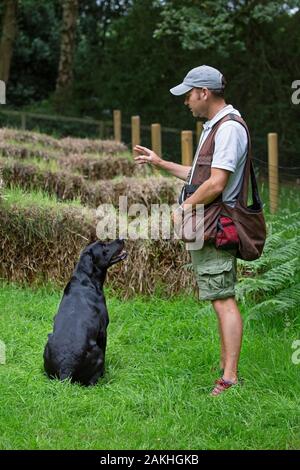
162, 358
155, 393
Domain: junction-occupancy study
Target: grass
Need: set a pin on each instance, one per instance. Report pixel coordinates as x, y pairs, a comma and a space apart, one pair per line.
34, 146
37, 198
288, 197
155, 393
54, 153
45, 165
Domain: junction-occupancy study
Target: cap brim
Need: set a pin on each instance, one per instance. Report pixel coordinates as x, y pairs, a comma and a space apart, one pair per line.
180, 89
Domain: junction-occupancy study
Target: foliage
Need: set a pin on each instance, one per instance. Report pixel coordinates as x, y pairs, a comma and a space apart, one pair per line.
218, 26
155, 392
130, 53
36, 52
273, 281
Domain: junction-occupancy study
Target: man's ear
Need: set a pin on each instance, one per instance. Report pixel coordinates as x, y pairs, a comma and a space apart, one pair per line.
205, 93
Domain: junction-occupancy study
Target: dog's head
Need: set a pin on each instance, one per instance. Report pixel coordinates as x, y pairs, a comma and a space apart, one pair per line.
102, 255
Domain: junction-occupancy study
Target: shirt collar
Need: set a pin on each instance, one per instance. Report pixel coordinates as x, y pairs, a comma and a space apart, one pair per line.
223, 112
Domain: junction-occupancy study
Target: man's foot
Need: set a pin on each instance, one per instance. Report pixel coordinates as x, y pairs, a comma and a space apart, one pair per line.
221, 386
221, 374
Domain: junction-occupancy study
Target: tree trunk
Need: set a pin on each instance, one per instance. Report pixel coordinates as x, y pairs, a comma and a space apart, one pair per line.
65, 69
9, 31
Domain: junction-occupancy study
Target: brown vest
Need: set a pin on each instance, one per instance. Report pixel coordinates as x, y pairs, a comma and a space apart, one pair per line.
249, 220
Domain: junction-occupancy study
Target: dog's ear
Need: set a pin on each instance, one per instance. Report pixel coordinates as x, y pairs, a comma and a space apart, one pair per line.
87, 263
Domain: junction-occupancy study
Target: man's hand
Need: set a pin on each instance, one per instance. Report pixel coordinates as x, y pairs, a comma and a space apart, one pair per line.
146, 156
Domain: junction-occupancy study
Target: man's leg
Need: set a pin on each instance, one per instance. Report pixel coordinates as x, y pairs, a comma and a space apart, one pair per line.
231, 329
222, 347
216, 277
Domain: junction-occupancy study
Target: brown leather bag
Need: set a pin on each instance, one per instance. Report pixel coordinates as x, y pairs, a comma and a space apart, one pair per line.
249, 220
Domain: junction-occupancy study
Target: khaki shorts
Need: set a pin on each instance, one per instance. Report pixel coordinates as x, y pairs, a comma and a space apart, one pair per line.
215, 272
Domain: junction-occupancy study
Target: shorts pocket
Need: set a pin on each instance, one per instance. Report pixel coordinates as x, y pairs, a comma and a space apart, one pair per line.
217, 277
217, 268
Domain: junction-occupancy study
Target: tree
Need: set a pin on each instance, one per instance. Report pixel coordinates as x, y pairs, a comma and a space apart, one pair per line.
217, 25
95, 28
9, 32
67, 48
36, 52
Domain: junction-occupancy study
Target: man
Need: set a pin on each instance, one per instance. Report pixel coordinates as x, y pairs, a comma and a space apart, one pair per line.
215, 269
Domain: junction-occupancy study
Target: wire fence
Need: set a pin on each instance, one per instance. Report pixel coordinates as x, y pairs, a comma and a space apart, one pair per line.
62, 126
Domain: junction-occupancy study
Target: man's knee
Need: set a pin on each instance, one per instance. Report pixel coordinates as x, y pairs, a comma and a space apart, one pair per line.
223, 305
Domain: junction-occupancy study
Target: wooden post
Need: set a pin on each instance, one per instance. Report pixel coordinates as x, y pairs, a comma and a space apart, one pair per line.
135, 132
273, 171
117, 125
23, 121
156, 143
186, 148
199, 129
156, 138
101, 130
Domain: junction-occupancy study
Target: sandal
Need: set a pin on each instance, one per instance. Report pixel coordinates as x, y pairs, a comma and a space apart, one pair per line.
221, 386
221, 373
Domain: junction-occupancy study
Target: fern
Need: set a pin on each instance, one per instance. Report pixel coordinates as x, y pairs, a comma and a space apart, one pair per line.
281, 303
278, 250
272, 281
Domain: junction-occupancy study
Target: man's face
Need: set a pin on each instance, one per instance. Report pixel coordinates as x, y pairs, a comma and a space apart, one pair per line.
196, 100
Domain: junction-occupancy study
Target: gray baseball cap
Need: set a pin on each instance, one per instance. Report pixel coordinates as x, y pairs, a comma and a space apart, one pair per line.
203, 76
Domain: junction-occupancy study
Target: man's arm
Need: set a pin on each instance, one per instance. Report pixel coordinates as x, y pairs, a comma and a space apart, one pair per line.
210, 189
175, 169
148, 156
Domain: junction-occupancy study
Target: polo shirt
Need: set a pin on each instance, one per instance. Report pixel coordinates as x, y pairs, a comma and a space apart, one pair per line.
231, 145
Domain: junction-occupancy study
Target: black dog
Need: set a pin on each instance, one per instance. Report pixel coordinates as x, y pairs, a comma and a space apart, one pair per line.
76, 348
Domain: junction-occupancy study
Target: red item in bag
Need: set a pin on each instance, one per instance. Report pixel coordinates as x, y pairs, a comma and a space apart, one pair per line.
227, 236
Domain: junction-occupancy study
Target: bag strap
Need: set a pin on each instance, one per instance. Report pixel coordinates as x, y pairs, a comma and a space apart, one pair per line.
249, 173
248, 170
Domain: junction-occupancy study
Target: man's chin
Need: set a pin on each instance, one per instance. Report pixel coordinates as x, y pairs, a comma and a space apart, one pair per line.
199, 115
195, 114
